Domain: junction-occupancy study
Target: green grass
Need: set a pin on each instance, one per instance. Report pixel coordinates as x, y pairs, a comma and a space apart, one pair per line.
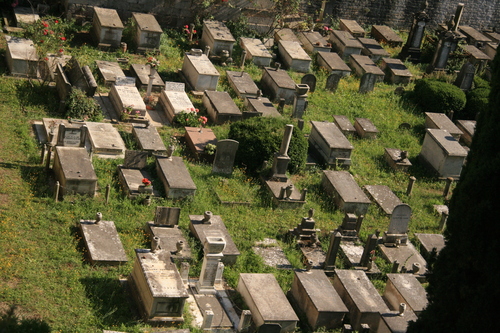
42, 266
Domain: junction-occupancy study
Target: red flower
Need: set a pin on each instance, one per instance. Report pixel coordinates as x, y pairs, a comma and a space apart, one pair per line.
194, 31
61, 50
196, 110
203, 120
56, 21
186, 26
41, 41
45, 58
45, 24
45, 31
146, 181
63, 38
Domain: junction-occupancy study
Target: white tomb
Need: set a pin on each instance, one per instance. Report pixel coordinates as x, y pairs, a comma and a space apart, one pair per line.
256, 51
107, 28
175, 102
294, 56
218, 37
199, 72
21, 57
123, 97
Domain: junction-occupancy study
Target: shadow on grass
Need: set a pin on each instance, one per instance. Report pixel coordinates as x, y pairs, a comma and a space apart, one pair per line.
33, 93
110, 300
10, 322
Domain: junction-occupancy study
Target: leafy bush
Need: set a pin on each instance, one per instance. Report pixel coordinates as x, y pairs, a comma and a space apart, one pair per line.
189, 118
260, 138
477, 101
79, 106
437, 96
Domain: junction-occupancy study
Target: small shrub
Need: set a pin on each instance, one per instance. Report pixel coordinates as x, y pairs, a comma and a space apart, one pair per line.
477, 101
79, 106
260, 138
437, 96
189, 118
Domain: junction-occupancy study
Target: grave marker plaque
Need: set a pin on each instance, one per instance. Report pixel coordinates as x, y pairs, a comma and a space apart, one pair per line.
224, 156
125, 81
310, 80
167, 216
135, 159
400, 218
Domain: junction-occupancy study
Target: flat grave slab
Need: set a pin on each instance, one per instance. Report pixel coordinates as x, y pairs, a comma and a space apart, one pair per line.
405, 288
352, 27
293, 201
361, 298
293, 56
333, 63
313, 294
394, 322
272, 254
345, 44
365, 128
262, 106
218, 36
242, 84
221, 107
197, 139
476, 54
220, 321
142, 73
490, 49
25, 15
175, 102
285, 34
21, 57
175, 177
373, 49
328, 141
199, 72
126, 96
384, 34
406, 255
442, 122
109, 71
105, 139
51, 129
169, 237
74, 170
344, 124
149, 139
383, 197
277, 84
347, 195
102, 242
396, 160
395, 71
267, 302
314, 42
363, 64
352, 254
131, 180
429, 242
468, 127
256, 51
494, 36
315, 254
473, 36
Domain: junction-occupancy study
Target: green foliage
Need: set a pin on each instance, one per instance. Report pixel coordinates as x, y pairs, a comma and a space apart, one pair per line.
79, 106
187, 118
477, 101
436, 96
260, 138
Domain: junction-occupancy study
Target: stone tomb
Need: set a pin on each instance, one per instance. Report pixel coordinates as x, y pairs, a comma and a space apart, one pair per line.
442, 153
361, 298
285, 34
256, 51
442, 122
51, 128
132, 172
209, 225
293, 56
494, 36
429, 243
148, 32
105, 139
170, 237
175, 177
373, 49
313, 294
277, 84
198, 138
260, 106
109, 71
398, 226
405, 288
21, 57
123, 97
395, 321
344, 125
200, 74
148, 139
221, 107
468, 128
473, 36
363, 64
384, 34
242, 84
211, 307
142, 73
314, 42
74, 170
332, 62
397, 159
407, 256
272, 254
327, 141
347, 195
107, 28
218, 37
267, 302
25, 15
477, 57
352, 27
174, 102
102, 242
395, 71
345, 44
383, 197
490, 49
365, 128
157, 287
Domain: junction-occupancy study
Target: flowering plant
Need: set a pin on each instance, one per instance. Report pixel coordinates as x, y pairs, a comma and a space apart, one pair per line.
146, 182
129, 112
153, 62
188, 118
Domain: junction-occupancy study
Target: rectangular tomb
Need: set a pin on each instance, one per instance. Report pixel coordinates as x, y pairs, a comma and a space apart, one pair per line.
352, 27
256, 51
147, 32
363, 64
396, 159
175, 102
313, 294
384, 197
345, 44
197, 139
405, 288
170, 236
142, 72
149, 139
21, 57
175, 177
344, 125
107, 28
285, 34
102, 242
365, 128
74, 171
468, 127
131, 182
473, 36
105, 139
490, 49
330, 143
395, 71
384, 34
199, 72
277, 84
25, 15
442, 122
314, 42
373, 49
430, 243
243, 84
347, 195
293, 56
267, 302
260, 106
332, 62
361, 298
123, 97
109, 71
217, 35
221, 107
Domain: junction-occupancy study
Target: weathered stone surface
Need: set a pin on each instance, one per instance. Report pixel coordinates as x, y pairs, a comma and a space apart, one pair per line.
74, 171
332, 62
285, 34
105, 139
442, 122
362, 64
256, 51
174, 102
352, 27
220, 321
473, 36
217, 35
329, 142
148, 32
21, 57
149, 139
430, 242
224, 156
242, 84
102, 242
262, 106
109, 71
221, 107
344, 124
169, 237
175, 177
395, 71
199, 72
405, 288
406, 255
314, 42
277, 84
131, 180
123, 97
384, 34
272, 254
383, 197
468, 127
294, 56
197, 139
347, 195
142, 72
107, 28
395, 159
394, 322
365, 128
344, 43
373, 49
